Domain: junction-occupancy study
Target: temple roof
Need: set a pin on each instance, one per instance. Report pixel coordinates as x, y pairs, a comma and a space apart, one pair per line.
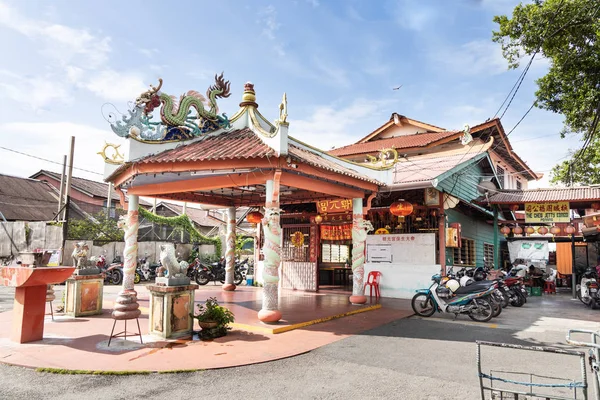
572, 194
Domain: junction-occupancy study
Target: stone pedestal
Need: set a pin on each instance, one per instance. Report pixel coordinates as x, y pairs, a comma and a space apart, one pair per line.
83, 295
170, 310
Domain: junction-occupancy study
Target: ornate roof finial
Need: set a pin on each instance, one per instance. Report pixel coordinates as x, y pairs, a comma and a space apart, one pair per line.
249, 96
283, 110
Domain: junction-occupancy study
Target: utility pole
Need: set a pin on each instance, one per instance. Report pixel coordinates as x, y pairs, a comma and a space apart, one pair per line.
68, 197
62, 185
109, 200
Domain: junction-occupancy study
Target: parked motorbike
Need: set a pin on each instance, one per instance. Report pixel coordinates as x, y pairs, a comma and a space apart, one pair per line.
438, 298
215, 272
466, 285
587, 290
144, 270
113, 273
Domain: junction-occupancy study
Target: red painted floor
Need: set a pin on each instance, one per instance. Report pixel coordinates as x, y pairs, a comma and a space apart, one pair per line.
81, 343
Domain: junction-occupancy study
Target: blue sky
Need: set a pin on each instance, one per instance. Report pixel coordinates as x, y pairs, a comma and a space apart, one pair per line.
337, 61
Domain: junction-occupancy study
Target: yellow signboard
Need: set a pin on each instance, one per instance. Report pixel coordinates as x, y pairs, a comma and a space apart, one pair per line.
547, 212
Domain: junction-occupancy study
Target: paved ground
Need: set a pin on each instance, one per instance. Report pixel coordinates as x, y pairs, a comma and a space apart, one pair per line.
411, 358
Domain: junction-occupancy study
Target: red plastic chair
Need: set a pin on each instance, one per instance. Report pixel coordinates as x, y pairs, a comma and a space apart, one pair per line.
373, 283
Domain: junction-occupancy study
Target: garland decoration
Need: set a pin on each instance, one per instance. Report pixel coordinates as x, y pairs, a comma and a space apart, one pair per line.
298, 239
183, 222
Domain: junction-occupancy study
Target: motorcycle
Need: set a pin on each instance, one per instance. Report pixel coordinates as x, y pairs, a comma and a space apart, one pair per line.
144, 270
438, 298
587, 290
112, 273
466, 285
215, 272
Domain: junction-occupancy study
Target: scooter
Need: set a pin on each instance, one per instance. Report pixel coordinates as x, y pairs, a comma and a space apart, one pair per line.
467, 285
587, 290
438, 298
145, 271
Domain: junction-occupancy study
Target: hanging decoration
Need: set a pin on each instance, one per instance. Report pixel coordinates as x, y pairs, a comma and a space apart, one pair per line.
542, 230
570, 230
555, 230
382, 231
297, 239
514, 207
318, 219
178, 121
517, 230
336, 232
505, 230
182, 222
530, 230
401, 208
596, 206
255, 217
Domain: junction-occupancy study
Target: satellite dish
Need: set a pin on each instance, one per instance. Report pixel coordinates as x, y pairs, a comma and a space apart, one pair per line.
485, 185
450, 201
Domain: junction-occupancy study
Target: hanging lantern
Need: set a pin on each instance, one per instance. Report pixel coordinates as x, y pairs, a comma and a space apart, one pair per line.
505, 230
542, 230
596, 206
555, 230
254, 217
513, 207
517, 230
570, 230
530, 230
318, 219
401, 208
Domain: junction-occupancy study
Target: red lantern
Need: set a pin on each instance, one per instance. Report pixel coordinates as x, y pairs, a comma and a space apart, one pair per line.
517, 230
596, 206
555, 230
401, 208
318, 219
542, 230
254, 217
505, 230
514, 207
529, 230
570, 230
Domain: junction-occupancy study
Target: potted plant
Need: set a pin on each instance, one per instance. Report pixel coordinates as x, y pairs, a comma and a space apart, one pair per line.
213, 318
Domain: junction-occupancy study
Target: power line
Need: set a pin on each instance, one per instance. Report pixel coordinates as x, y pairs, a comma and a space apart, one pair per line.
50, 161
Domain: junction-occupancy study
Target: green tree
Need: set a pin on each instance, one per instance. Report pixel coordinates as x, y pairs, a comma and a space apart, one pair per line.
99, 227
567, 33
240, 243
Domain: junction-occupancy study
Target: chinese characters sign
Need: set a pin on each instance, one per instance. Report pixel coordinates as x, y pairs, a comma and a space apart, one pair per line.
336, 232
334, 206
547, 212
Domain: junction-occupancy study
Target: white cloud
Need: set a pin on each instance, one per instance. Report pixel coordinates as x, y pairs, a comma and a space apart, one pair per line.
36, 92
114, 86
150, 53
330, 126
64, 44
269, 22
50, 140
415, 18
472, 58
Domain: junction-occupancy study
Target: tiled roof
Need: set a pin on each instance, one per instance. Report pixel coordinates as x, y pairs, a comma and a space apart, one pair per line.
242, 143
200, 217
316, 160
398, 142
93, 188
24, 199
427, 168
573, 194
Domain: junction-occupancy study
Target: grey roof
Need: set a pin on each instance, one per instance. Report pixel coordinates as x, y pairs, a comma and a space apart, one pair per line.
25, 199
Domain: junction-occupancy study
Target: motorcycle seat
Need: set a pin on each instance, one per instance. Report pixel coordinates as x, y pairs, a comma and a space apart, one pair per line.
474, 287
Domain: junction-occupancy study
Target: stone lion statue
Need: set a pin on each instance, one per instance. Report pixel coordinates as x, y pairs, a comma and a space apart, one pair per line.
169, 261
79, 255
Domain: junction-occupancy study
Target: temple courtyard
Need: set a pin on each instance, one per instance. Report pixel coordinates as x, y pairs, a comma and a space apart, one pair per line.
378, 353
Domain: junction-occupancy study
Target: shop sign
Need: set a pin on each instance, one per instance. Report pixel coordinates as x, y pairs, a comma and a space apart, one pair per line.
336, 232
313, 243
547, 212
335, 218
334, 206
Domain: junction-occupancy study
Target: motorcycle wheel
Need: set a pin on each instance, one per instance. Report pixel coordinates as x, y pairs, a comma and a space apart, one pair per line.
117, 277
518, 299
137, 278
237, 279
496, 308
484, 311
422, 305
578, 289
202, 278
505, 300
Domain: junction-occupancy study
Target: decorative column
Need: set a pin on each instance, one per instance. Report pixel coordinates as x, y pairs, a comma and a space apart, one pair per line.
360, 227
126, 305
230, 251
272, 252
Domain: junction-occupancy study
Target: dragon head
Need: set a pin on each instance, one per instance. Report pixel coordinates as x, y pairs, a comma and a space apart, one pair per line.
150, 98
221, 87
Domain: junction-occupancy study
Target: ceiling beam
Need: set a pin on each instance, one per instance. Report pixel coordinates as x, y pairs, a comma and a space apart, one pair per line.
193, 198
315, 185
335, 176
198, 184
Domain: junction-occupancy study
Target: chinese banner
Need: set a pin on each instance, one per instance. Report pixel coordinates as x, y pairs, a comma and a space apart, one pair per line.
334, 206
313, 243
547, 212
336, 232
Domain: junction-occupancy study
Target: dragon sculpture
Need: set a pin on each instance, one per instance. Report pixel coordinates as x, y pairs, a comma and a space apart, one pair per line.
177, 119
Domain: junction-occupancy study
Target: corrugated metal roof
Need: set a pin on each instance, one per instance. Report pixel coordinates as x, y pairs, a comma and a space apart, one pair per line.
427, 168
237, 144
24, 199
200, 217
316, 160
573, 194
398, 142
